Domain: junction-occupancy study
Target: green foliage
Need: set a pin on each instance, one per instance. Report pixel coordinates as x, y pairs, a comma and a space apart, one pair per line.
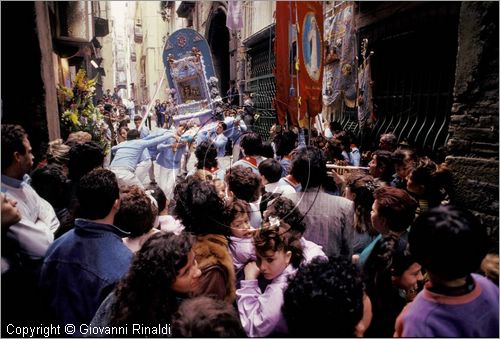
79, 113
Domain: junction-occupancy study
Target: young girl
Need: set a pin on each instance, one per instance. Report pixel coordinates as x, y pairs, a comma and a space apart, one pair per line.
162, 274
392, 278
241, 243
284, 208
279, 253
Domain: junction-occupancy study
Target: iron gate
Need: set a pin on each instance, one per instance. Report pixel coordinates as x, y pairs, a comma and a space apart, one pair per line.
413, 74
262, 83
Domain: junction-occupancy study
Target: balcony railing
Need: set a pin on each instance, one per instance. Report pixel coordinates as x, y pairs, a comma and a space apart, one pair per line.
138, 34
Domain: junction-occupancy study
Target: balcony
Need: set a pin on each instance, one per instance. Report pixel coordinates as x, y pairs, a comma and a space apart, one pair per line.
101, 27
133, 57
138, 33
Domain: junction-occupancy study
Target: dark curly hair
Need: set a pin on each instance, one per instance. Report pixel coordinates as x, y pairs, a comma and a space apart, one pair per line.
309, 167
244, 184
143, 295
273, 238
206, 154
83, 158
12, 141
327, 295
136, 212
389, 258
205, 317
284, 208
97, 191
199, 207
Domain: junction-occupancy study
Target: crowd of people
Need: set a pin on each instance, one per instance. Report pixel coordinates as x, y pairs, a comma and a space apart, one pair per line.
301, 235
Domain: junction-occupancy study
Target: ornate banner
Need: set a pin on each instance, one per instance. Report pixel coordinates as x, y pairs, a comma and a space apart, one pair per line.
310, 16
339, 83
180, 44
299, 60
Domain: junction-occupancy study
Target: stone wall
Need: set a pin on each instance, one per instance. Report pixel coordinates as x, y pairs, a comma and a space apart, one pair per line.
473, 142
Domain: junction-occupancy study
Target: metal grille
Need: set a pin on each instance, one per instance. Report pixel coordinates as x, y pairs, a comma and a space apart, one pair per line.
262, 84
413, 72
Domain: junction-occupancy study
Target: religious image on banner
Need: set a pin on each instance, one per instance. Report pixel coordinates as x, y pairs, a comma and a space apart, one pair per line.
310, 17
311, 43
299, 61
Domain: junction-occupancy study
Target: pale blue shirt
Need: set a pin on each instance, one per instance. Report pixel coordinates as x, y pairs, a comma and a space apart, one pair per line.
220, 141
234, 132
128, 153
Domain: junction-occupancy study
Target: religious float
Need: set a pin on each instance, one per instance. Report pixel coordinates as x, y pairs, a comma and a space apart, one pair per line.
191, 78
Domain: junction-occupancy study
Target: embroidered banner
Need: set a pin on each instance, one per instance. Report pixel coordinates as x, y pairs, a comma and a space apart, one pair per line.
299, 60
310, 19
339, 83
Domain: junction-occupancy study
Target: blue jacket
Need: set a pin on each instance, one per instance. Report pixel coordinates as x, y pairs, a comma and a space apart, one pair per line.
128, 154
80, 269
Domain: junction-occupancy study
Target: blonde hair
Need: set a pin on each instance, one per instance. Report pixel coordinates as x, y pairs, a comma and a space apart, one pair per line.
79, 137
58, 152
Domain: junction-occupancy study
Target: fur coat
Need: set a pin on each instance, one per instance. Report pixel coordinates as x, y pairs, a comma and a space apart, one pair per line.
214, 260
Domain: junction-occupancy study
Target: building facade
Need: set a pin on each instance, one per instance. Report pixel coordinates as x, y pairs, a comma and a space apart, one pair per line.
153, 23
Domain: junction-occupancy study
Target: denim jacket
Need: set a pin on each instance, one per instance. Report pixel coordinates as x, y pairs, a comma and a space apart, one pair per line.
81, 268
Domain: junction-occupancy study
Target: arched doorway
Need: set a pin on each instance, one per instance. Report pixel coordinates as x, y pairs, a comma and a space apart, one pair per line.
218, 39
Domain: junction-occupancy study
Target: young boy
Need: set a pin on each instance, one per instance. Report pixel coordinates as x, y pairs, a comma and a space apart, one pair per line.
450, 243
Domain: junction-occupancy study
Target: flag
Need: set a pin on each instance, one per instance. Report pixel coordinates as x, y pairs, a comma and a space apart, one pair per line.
234, 18
299, 60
